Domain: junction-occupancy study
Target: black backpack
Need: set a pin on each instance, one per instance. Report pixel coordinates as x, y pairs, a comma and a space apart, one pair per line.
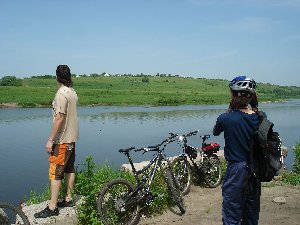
265, 150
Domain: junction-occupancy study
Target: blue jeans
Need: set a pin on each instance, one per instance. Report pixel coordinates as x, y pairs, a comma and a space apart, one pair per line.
241, 196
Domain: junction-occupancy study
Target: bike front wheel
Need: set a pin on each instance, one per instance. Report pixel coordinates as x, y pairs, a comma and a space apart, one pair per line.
11, 214
212, 171
173, 187
183, 174
113, 204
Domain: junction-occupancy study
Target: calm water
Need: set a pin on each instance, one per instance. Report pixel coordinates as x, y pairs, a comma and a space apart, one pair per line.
104, 130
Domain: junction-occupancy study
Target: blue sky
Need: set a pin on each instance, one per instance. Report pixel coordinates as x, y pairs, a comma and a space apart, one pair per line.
198, 38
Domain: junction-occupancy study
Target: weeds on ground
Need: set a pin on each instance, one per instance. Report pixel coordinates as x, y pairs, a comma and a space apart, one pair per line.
294, 176
89, 182
38, 197
92, 178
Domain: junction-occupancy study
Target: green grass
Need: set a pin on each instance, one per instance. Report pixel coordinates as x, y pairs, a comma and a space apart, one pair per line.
129, 90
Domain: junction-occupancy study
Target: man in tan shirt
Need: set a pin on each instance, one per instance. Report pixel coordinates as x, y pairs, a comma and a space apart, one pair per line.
61, 143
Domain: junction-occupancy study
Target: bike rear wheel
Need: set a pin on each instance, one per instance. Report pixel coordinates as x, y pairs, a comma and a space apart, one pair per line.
183, 174
174, 190
11, 214
212, 171
112, 204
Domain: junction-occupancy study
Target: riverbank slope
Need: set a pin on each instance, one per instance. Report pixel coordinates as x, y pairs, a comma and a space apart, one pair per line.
135, 90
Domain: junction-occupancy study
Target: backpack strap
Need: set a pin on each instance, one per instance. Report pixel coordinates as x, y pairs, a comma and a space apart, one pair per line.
251, 154
261, 115
264, 126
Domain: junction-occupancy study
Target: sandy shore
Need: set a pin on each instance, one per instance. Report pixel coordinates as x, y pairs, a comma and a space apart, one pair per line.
204, 208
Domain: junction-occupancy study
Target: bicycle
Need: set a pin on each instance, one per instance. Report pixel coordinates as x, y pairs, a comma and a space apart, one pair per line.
11, 214
120, 202
206, 163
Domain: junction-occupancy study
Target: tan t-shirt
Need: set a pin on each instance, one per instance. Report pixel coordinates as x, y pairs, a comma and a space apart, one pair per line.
65, 102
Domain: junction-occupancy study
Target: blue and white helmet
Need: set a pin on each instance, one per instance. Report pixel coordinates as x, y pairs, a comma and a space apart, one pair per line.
243, 83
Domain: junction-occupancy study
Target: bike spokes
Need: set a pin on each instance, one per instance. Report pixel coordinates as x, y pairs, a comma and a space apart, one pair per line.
182, 173
115, 208
11, 214
212, 171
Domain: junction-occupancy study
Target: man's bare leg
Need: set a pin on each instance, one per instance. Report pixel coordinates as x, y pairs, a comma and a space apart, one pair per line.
69, 180
55, 187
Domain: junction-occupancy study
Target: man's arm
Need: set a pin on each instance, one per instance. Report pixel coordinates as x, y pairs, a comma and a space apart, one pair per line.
58, 121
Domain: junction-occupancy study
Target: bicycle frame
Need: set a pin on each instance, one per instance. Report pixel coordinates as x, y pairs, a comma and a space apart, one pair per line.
200, 153
157, 161
122, 200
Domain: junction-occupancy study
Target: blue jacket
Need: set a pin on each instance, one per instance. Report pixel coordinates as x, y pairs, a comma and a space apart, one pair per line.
238, 128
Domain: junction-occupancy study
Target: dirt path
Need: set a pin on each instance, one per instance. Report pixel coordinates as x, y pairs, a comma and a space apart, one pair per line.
204, 208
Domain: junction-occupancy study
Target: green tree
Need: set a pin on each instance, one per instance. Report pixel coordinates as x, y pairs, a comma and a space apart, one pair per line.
145, 80
10, 81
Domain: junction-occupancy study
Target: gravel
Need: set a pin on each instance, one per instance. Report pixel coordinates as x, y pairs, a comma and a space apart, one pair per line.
67, 215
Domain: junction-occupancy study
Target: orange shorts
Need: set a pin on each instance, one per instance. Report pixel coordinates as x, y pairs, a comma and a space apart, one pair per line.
61, 160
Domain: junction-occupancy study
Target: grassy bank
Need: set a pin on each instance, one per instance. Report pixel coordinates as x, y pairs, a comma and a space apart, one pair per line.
132, 90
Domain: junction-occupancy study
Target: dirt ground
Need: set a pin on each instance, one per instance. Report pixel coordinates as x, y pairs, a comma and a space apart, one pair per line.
204, 208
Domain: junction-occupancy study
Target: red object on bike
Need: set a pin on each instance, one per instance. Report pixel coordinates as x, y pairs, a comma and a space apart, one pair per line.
211, 147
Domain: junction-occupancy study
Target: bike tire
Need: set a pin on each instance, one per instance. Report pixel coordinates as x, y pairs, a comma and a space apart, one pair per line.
183, 174
174, 190
110, 204
11, 214
212, 173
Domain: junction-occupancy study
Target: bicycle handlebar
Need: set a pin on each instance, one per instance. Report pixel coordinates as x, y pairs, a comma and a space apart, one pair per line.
205, 137
150, 148
157, 147
186, 135
167, 140
192, 133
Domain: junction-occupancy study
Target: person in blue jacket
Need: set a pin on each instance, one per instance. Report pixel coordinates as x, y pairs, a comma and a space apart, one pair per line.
241, 194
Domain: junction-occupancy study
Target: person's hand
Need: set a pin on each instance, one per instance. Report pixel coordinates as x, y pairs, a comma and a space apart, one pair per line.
48, 146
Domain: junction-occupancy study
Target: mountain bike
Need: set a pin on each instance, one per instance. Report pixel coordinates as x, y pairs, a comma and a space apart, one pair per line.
120, 202
204, 160
11, 214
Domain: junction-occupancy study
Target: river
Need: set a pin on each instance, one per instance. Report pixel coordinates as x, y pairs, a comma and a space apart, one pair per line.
105, 129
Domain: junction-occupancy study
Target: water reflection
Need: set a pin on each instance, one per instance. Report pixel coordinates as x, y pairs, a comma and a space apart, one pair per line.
19, 114
155, 116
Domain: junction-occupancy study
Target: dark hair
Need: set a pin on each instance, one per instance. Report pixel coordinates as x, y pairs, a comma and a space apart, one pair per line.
63, 75
242, 99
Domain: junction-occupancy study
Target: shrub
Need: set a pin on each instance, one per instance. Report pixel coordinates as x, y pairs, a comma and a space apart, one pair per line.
296, 166
10, 81
145, 80
294, 176
89, 182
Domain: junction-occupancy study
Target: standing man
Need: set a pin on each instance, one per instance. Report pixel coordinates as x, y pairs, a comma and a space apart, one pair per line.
61, 143
241, 194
